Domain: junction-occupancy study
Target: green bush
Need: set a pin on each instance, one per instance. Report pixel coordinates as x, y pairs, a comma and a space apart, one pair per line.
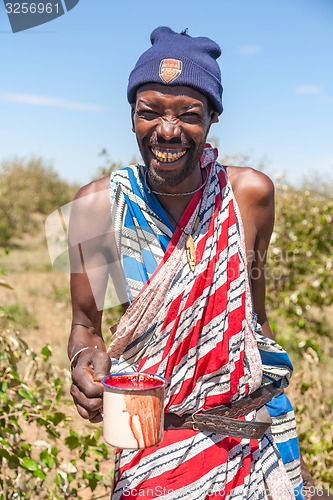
299, 300
300, 262
33, 403
20, 315
43, 453
108, 166
28, 187
59, 462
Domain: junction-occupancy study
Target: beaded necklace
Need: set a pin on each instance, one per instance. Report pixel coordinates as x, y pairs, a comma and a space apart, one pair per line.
189, 243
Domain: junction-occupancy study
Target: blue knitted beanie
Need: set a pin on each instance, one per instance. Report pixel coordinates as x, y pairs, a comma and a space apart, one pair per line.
179, 59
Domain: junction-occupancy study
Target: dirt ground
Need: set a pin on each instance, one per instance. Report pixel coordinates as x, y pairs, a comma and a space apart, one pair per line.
43, 292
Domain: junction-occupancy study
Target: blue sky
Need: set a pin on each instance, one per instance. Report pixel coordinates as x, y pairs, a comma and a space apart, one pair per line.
63, 84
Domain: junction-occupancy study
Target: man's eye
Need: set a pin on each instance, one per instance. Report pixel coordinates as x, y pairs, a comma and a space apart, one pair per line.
189, 117
147, 114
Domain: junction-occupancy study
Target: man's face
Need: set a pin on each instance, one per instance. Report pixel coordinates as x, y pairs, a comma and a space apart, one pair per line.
171, 126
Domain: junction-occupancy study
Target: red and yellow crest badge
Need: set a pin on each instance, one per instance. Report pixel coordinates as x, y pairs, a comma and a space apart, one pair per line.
170, 69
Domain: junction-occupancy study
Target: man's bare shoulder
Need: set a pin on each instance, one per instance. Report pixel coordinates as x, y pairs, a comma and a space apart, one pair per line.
93, 198
90, 213
250, 183
97, 186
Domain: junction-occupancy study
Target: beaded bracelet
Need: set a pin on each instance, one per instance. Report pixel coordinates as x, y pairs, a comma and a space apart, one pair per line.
76, 355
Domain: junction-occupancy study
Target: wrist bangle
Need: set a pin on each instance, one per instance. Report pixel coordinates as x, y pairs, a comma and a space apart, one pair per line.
77, 353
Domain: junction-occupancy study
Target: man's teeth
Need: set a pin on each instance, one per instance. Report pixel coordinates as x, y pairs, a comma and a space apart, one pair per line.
167, 156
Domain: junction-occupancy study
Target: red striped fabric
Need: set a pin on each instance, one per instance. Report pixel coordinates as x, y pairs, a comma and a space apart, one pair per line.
200, 338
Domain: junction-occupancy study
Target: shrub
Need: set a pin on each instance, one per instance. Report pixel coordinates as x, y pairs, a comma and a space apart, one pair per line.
27, 187
299, 296
300, 263
20, 315
32, 402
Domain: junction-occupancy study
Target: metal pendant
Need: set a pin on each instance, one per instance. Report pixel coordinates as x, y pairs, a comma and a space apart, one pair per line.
190, 252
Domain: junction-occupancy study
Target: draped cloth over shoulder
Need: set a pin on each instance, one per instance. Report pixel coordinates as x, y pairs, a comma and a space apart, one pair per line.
195, 329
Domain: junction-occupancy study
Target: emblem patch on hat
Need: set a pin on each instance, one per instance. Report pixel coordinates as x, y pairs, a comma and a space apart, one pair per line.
170, 69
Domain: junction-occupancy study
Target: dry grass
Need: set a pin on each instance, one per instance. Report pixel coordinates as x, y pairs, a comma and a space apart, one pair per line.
34, 286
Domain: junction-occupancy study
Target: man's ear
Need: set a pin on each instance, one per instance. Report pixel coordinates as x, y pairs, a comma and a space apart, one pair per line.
214, 117
132, 116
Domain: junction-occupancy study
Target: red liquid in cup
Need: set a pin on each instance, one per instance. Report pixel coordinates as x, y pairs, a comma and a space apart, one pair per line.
135, 382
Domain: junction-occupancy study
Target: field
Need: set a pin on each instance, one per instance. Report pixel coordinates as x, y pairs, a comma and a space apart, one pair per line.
47, 449
39, 310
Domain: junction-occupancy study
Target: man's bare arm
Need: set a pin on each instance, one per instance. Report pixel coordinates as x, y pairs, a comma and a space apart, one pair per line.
90, 252
263, 216
254, 193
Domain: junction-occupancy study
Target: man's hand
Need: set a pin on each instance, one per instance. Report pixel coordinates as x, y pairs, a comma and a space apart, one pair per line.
87, 391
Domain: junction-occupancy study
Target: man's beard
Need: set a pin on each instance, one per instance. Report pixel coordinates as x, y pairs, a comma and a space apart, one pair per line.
163, 178
168, 178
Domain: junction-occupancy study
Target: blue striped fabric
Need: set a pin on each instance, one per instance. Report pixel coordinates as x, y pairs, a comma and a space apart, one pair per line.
281, 411
130, 210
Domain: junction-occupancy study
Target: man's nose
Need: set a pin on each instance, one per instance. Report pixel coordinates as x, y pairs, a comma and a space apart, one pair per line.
168, 130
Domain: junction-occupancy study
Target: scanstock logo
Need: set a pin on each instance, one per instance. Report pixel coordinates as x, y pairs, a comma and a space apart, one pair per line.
24, 15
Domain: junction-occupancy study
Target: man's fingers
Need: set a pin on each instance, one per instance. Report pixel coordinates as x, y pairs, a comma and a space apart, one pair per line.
99, 361
94, 417
87, 390
97, 418
88, 408
82, 378
91, 404
92, 366
102, 365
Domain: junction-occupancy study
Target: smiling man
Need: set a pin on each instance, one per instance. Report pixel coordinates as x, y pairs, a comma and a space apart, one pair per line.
184, 240
171, 148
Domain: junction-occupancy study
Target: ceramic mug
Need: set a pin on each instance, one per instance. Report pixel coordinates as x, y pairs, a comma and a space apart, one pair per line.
133, 408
